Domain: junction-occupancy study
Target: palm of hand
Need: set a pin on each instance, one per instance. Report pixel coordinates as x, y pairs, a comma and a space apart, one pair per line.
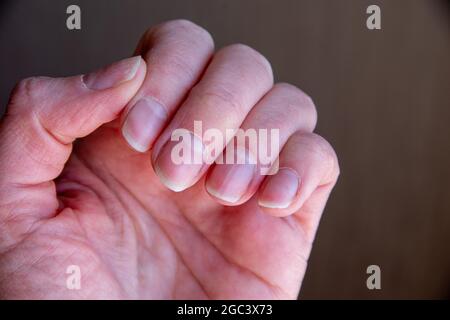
133, 238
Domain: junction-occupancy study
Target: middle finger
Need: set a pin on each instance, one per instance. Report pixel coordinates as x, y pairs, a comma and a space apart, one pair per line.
234, 82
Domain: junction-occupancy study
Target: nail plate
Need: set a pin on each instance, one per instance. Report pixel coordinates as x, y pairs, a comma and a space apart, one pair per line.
279, 190
113, 75
230, 182
179, 163
143, 123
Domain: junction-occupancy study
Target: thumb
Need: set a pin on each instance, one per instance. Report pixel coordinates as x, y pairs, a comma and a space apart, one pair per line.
44, 117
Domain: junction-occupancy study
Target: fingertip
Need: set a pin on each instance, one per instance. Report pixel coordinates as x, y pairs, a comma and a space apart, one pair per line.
115, 74
143, 123
168, 182
133, 83
141, 71
221, 198
280, 190
175, 171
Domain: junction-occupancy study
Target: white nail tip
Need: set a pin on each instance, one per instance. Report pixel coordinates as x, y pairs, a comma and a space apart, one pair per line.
272, 205
133, 70
133, 144
221, 196
176, 187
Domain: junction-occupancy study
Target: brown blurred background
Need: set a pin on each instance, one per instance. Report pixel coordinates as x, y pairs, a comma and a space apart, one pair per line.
383, 100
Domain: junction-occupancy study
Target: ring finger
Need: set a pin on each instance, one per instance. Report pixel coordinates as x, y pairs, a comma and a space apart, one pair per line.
283, 111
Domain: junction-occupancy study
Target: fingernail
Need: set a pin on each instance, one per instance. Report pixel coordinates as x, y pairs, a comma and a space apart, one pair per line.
230, 182
179, 163
279, 190
143, 123
113, 75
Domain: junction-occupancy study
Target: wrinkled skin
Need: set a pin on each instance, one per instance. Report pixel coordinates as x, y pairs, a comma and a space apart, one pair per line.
109, 214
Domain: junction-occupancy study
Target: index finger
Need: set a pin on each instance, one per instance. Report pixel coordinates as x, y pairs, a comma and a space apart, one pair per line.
176, 53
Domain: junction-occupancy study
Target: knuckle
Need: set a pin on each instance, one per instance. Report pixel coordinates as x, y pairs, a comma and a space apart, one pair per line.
302, 103
27, 87
218, 96
171, 47
177, 29
28, 91
176, 65
328, 156
318, 149
181, 24
190, 27
252, 55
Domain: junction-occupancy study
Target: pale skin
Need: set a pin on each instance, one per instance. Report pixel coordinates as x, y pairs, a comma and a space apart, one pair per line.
78, 184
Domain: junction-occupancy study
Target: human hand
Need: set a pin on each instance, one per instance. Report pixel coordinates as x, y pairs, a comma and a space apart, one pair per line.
227, 233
